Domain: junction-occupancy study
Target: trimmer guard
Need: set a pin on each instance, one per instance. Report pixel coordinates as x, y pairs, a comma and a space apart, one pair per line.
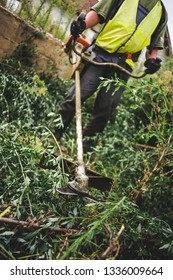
95, 179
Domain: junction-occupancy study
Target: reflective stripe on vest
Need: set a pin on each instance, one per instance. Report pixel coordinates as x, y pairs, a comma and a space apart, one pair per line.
122, 29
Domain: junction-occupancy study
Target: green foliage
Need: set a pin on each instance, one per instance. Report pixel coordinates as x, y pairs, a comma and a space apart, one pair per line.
138, 145
24, 96
3, 2
136, 150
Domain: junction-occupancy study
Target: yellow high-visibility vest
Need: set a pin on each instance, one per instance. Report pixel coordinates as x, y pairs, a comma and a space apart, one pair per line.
122, 34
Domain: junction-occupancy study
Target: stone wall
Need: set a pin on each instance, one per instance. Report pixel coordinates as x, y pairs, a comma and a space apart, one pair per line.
49, 52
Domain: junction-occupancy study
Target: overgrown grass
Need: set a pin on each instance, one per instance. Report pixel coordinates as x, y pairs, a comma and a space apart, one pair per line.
135, 150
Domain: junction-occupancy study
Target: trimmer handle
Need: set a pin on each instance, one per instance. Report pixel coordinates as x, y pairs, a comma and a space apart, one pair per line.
81, 40
81, 18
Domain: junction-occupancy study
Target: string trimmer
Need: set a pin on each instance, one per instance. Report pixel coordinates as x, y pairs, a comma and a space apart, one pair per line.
82, 178
85, 178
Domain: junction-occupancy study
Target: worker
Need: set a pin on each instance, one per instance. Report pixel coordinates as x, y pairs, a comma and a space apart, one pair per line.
128, 27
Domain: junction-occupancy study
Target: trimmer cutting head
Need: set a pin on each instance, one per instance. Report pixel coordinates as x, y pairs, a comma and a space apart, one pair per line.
95, 180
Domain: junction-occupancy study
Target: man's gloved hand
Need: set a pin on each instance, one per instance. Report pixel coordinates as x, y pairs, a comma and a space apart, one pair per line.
78, 26
152, 65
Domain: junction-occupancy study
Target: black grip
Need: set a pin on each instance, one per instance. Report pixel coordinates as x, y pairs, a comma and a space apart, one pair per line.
81, 17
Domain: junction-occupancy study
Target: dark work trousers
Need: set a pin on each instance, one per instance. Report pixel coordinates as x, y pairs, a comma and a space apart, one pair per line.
105, 102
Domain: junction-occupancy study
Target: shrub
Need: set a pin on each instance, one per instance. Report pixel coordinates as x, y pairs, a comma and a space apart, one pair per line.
135, 150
